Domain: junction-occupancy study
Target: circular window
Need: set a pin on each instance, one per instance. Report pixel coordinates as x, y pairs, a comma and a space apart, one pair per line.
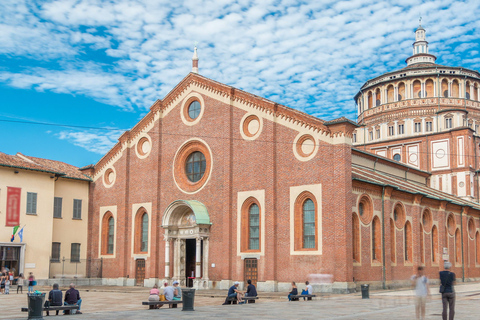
399, 216
365, 210
427, 221
397, 157
109, 177
192, 166
143, 147
251, 125
195, 166
451, 224
305, 147
194, 110
471, 228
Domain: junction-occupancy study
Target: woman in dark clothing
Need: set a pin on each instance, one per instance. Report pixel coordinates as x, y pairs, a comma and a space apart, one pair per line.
294, 291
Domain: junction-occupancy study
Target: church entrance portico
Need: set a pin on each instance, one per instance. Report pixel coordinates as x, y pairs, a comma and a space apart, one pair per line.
187, 230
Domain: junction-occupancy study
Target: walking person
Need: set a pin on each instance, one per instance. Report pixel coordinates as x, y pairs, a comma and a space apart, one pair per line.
422, 290
447, 279
31, 282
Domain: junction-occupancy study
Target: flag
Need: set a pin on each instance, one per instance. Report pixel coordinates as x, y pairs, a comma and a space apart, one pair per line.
13, 234
20, 234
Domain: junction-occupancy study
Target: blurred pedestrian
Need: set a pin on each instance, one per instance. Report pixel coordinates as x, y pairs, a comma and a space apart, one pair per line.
422, 290
447, 279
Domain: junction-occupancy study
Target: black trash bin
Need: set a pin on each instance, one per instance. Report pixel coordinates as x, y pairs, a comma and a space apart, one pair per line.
35, 305
365, 293
188, 297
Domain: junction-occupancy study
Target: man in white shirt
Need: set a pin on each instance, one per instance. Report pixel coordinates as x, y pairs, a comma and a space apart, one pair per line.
420, 282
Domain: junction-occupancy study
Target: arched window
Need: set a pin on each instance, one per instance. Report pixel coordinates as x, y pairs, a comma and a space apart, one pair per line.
369, 99
390, 93
144, 240
401, 91
378, 97
376, 240
445, 88
429, 88
417, 89
251, 225
455, 89
254, 227
306, 223
434, 244
108, 234
458, 246
477, 243
467, 90
393, 243
422, 251
475, 92
408, 242
356, 238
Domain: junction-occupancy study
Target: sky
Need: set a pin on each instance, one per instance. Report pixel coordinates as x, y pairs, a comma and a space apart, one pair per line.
74, 74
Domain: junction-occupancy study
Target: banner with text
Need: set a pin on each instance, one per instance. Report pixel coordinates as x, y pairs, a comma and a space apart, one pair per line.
13, 206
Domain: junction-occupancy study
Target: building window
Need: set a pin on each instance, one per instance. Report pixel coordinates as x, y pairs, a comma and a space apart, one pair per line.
108, 233
393, 243
418, 127
458, 244
378, 133
77, 209
400, 129
144, 242
305, 222
75, 253
254, 227
308, 224
356, 238
397, 157
476, 128
448, 123
31, 203
354, 137
250, 215
428, 126
477, 252
57, 207
55, 252
434, 244
376, 240
391, 130
195, 166
370, 135
194, 110
408, 241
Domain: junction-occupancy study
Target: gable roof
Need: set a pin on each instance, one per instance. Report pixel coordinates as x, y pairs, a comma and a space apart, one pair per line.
20, 161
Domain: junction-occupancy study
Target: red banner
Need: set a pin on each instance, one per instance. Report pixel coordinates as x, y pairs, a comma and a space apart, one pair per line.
13, 206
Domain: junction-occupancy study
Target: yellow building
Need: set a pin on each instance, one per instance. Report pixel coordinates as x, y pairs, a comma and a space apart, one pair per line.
49, 200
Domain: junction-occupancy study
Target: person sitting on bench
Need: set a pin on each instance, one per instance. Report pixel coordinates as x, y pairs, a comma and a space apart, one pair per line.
251, 290
233, 292
72, 297
177, 292
54, 298
308, 290
294, 291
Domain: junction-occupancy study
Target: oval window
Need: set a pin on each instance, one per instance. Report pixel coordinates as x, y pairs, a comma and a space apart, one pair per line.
195, 166
397, 157
194, 109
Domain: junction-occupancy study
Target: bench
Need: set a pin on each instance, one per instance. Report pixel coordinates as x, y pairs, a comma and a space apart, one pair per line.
57, 308
298, 296
249, 299
153, 304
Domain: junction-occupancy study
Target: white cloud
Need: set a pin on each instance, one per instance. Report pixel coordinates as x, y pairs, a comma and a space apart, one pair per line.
98, 142
310, 55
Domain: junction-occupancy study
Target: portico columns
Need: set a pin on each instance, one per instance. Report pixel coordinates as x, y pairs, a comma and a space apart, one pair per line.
167, 258
198, 257
205, 259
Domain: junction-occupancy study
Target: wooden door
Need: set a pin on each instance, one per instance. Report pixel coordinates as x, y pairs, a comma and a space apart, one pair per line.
251, 271
140, 271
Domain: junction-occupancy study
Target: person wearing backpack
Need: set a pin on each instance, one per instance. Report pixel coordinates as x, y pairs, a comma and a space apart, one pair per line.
447, 279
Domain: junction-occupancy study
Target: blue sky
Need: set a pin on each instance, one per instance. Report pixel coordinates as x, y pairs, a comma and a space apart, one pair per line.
97, 66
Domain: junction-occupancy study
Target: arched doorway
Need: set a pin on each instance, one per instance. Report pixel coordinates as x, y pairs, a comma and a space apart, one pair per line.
187, 230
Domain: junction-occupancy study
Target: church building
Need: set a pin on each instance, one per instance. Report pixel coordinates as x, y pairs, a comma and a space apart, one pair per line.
216, 185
